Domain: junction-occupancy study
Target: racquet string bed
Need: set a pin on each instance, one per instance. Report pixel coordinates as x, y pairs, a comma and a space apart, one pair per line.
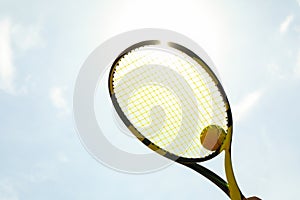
169, 98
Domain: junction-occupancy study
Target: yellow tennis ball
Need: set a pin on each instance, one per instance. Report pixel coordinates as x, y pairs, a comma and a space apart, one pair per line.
212, 137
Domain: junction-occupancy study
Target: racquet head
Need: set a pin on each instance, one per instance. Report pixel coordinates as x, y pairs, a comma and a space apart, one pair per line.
169, 98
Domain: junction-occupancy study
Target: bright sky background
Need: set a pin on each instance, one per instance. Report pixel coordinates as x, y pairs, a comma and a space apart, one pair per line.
255, 46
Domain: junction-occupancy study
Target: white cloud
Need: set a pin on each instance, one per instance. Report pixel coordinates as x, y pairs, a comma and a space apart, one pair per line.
24, 38
27, 37
57, 97
286, 23
241, 109
298, 2
7, 69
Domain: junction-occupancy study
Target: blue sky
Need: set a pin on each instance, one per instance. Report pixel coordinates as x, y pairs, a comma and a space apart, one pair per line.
255, 46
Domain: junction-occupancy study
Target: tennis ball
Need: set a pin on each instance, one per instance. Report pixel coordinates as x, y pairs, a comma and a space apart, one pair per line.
212, 137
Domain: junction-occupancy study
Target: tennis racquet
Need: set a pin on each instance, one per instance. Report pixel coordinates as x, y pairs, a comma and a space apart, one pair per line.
171, 100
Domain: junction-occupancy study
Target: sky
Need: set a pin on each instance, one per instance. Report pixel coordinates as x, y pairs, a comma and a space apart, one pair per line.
255, 46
